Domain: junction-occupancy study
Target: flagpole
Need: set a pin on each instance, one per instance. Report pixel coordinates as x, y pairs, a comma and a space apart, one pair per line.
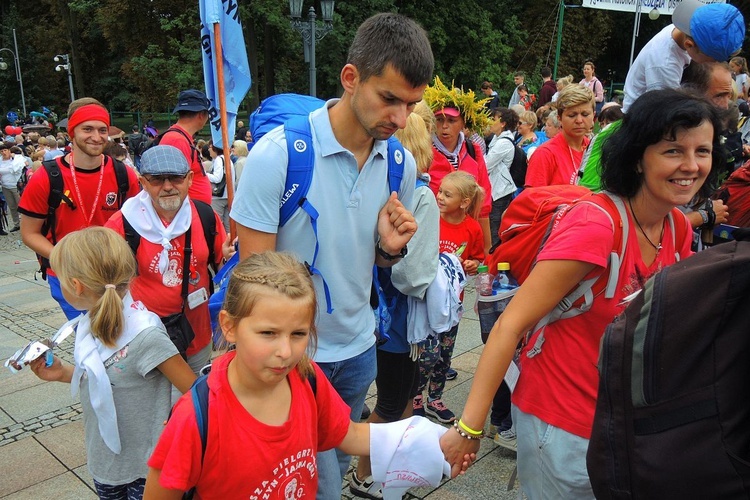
224, 126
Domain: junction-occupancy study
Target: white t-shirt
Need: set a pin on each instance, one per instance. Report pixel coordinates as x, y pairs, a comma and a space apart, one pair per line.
659, 65
741, 83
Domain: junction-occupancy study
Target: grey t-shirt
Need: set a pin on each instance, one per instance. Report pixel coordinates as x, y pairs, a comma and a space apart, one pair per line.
142, 398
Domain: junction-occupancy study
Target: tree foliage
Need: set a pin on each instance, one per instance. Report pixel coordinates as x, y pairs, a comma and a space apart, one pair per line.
138, 54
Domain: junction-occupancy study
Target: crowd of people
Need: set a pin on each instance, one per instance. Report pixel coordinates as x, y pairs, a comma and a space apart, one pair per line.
129, 230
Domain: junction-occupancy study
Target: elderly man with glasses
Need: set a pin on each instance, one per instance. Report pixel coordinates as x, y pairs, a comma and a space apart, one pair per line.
174, 239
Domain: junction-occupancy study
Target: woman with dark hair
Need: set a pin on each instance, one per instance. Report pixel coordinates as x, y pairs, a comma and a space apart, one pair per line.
660, 158
499, 158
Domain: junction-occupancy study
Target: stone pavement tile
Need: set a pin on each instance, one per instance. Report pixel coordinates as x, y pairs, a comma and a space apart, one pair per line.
10, 383
26, 463
63, 487
5, 420
83, 473
37, 400
66, 443
29, 298
465, 364
55, 318
486, 479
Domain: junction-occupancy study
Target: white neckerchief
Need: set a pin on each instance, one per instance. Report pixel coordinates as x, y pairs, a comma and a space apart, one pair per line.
451, 155
90, 354
140, 212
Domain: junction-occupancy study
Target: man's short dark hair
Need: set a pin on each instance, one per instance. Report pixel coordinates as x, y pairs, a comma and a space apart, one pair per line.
394, 39
546, 72
135, 128
520, 73
486, 85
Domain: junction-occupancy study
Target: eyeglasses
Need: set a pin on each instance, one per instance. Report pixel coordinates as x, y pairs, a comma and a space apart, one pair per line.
158, 180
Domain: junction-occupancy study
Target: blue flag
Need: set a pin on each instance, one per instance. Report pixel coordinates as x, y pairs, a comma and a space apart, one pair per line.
234, 60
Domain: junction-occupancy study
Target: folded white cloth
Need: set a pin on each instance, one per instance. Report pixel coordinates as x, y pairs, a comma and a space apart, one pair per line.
406, 454
90, 354
140, 212
443, 297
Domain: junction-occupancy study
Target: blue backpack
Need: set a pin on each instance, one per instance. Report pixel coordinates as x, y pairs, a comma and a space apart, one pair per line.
292, 111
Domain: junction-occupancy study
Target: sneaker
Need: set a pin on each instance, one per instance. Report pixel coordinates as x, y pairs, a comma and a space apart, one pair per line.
506, 439
441, 412
451, 374
365, 412
417, 407
3, 233
365, 488
491, 431
16, 228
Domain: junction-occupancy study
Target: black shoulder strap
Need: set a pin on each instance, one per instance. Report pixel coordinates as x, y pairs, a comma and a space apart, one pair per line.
123, 181
208, 221
131, 236
55, 197
470, 148
313, 383
196, 154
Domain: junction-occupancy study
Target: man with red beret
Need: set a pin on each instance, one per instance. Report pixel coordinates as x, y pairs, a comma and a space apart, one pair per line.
90, 191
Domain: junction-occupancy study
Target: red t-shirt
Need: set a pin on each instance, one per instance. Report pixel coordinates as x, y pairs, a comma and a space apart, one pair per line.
559, 385
441, 167
554, 162
161, 293
244, 457
201, 187
452, 236
35, 200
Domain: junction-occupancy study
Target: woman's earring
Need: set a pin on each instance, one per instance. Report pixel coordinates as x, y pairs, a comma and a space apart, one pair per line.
638, 168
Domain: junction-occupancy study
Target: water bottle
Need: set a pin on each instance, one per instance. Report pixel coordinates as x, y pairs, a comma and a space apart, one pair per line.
484, 280
503, 279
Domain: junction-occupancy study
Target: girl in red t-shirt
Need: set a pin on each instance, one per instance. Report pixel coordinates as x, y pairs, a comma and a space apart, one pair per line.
270, 408
459, 200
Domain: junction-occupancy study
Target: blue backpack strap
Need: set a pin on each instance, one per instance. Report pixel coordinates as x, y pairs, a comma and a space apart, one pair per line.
199, 395
395, 164
298, 179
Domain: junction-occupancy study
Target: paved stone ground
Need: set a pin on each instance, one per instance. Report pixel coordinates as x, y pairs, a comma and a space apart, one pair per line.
42, 453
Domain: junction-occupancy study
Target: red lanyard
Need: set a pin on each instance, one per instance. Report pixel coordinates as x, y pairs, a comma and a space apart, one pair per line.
87, 220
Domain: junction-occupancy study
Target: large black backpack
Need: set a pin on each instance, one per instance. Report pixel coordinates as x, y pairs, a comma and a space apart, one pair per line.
519, 164
673, 410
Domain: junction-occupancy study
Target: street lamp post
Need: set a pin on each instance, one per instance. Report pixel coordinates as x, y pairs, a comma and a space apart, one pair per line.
66, 65
17, 66
311, 32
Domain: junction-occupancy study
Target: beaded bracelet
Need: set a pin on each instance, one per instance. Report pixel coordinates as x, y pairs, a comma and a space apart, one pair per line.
468, 430
465, 435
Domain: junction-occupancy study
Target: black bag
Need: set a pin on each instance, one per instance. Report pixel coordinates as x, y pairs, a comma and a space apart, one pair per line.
673, 411
217, 188
179, 330
178, 327
519, 164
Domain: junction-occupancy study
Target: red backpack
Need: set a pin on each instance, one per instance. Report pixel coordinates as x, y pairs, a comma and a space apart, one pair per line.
528, 222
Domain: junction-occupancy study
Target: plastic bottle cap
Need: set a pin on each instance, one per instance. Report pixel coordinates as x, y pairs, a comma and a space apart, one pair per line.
483, 269
503, 266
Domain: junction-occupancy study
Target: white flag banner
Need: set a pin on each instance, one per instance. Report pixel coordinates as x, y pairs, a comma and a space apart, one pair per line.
665, 7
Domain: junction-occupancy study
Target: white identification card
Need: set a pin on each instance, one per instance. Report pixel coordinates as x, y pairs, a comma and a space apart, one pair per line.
197, 298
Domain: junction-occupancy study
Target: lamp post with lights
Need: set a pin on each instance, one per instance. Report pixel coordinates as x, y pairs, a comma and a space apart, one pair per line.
17, 66
67, 66
311, 32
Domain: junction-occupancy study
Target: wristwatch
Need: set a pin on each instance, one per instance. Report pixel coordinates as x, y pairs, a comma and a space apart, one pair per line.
388, 256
